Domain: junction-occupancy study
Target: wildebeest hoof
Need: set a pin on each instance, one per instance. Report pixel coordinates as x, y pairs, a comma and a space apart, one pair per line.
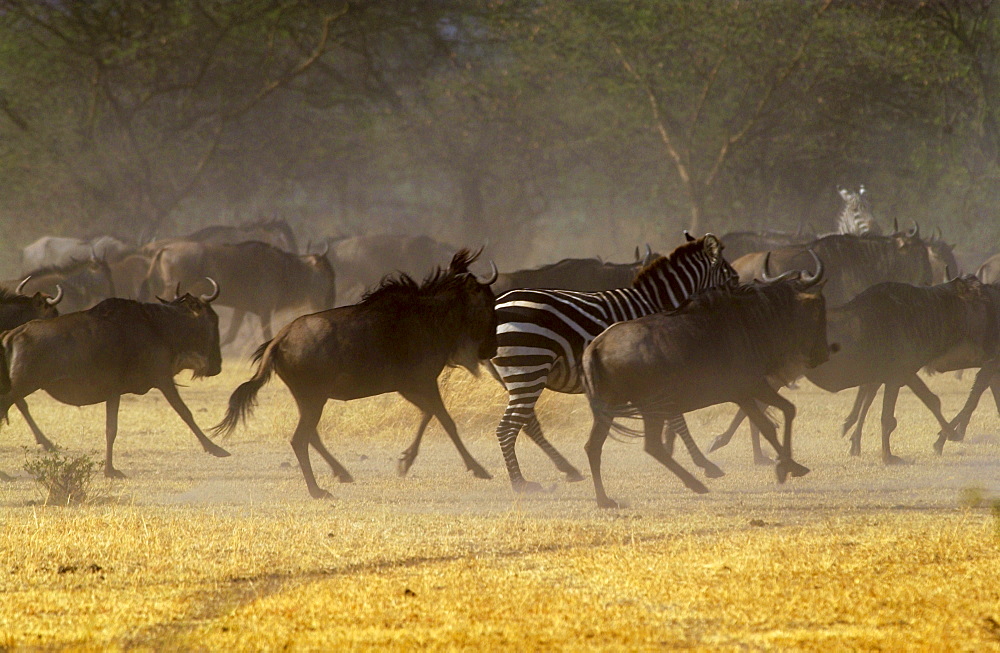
939, 445
712, 470
527, 487
696, 486
218, 451
574, 476
956, 436
48, 446
479, 472
889, 459
403, 465
6, 477
114, 473
763, 460
855, 449
345, 478
607, 503
795, 469
719, 442
320, 493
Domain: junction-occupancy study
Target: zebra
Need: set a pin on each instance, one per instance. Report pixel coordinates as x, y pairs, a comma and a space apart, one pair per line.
541, 335
856, 217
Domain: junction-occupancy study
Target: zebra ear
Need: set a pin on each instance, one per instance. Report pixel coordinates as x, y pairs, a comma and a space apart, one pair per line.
713, 246
688, 237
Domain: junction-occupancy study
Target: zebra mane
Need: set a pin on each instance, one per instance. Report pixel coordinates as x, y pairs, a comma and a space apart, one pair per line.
708, 245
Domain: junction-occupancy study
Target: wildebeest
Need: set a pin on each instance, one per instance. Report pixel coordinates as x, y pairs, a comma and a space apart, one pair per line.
118, 347
580, 274
83, 283
853, 263
397, 339
362, 261
273, 232
255, 278
128, 273
741, 243
57, 251
892, 330
723, 346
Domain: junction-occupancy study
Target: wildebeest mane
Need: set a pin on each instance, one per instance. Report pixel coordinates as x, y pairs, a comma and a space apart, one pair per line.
401, 286
9, 296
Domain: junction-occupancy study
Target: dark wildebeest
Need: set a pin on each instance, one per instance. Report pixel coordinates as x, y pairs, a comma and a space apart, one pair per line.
272, 232
853, 263
397, 339
255, 278
741, 243
83, 283
118, 347
580, 274
723, 346
892, 330
128, 273
362, 261
56, 251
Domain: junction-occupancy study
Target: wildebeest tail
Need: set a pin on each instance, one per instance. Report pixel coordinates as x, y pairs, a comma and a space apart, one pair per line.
244, 398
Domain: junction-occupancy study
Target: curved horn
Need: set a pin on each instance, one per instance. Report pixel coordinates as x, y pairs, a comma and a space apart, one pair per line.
208, 299
811, 280
20, 286
326, 248
895, 226
915, 231
936, 234
309, 244
58, 298
766, 273
493, 276
177, 290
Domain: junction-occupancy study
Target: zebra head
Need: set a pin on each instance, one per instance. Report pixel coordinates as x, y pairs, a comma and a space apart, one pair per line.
856, 216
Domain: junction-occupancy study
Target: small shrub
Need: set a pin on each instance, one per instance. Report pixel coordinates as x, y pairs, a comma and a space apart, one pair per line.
66, 479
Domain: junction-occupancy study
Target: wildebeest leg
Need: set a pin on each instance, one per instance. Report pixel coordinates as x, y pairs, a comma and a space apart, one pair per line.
265, 326
727, 435
984, 379
653, 429
786, 465
110, 433
310, 411
853, 416
40, 438
410, 453
235, 322
429, 401
679, 426
534, 430
759, 457
862, 403
169, 391
595, 443
933, 403
889, 397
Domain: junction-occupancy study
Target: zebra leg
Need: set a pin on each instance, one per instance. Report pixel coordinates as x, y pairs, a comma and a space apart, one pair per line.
678, 425
723, 439
863, 402
515, 417
534, 431
653, 426
410, 453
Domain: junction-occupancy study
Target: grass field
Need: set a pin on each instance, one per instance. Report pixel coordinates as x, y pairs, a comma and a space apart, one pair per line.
197, 552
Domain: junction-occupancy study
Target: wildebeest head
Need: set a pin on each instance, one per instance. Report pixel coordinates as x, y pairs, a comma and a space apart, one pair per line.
913, 260
323, 287
197, 333
480, 320
943, 263
16, 309
809, 315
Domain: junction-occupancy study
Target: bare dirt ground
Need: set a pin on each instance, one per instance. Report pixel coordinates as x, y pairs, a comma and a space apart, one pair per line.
197, 552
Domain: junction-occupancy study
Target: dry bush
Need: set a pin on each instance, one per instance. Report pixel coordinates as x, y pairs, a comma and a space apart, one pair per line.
66, 479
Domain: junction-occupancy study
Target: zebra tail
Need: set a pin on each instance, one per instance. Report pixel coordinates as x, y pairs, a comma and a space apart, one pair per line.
244, 398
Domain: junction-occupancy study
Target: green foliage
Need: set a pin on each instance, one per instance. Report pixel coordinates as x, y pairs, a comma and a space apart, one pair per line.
65, 479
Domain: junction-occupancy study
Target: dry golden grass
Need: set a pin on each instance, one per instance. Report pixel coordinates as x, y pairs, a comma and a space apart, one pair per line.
195, 552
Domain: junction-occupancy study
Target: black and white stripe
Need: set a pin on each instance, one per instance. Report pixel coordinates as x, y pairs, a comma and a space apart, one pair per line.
856, 217
541, 335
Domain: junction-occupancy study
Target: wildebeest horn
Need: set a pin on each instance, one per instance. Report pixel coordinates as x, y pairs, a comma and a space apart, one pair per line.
895, 226
21, 285
809, 280
326, 248
493, 276
936, 234
688, 236
649, 251
58, 298
915, 231
309, 244
208, 299
766, 273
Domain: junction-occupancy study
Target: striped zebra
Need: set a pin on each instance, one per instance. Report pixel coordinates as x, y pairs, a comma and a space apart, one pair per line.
541, 335
856, 217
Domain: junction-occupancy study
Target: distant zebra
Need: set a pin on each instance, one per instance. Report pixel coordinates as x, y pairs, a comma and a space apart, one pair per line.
856, 217
541, 335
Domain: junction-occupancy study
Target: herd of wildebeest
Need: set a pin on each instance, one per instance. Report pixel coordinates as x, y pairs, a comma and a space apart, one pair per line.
719, 319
